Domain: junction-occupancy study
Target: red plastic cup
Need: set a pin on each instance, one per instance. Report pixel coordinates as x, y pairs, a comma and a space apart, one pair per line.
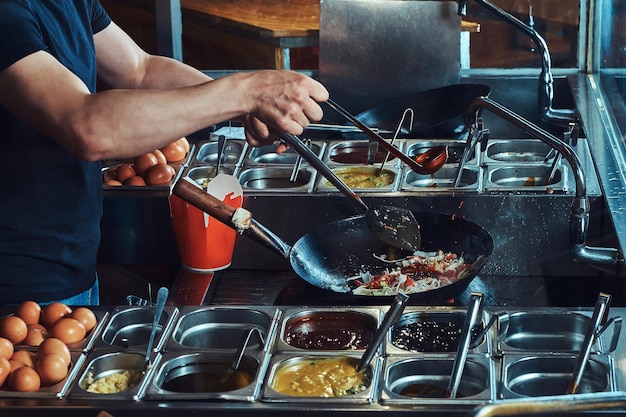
204, 243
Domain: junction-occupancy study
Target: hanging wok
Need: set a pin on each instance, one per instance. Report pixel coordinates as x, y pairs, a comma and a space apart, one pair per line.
439, 113
334, 252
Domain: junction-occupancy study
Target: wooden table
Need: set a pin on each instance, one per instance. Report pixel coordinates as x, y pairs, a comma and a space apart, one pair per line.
284, 24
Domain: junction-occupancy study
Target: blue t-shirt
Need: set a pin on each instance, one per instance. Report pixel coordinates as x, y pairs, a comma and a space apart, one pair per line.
51, 200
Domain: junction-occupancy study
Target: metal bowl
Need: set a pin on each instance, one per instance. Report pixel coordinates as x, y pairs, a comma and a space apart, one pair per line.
232, 153
130, 327
276, 179
536, 376
206, 376
218, 328
328, 329
542, 331
411, 380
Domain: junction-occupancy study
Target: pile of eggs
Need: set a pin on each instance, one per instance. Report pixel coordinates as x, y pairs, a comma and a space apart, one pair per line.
152, 168
34, 342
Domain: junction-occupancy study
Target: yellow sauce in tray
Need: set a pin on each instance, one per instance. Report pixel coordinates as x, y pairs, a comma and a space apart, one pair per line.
364, 177
324, 377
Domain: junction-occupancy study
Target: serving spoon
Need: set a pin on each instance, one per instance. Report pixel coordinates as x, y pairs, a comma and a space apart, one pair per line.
158, 310
395, 226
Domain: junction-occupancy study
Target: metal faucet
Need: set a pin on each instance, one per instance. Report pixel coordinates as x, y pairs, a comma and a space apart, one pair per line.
561, 117
604, 259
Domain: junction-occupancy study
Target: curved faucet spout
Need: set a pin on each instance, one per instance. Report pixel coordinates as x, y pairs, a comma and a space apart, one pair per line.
561, 117
604, 259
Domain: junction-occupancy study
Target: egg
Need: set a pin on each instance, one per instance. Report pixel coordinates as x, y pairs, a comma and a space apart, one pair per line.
143, 162
135, 181
13, 328
85, 316
29, 311
51, 313
113, 183
15, 364
24, 356
161, 159
124, 171
159, 174
174, 152
5, 370
184, 143
56, 346
24, 379
68, 330
6, 348
51, 369
35, 335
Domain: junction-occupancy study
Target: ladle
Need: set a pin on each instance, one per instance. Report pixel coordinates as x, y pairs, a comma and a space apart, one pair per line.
471, 317
396, 309
243, 344
426, 163
395, 226
599, 314
158, 310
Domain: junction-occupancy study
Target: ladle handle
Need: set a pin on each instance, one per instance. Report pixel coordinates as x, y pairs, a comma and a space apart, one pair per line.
396, 309
224, 213
599, 314
158, 310
319, 165
464, 343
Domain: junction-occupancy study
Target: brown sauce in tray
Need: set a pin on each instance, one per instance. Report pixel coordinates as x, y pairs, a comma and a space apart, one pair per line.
329, 331
357, 155
209, 381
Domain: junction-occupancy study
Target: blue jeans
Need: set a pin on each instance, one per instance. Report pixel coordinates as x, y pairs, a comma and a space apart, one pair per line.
85, 298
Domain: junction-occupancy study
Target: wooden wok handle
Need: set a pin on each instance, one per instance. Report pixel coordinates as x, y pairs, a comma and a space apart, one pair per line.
224, 213
204, 201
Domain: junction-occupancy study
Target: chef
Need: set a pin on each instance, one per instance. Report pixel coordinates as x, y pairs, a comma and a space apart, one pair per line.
55, 128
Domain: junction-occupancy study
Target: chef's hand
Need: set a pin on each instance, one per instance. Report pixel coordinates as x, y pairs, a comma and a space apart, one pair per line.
282, 101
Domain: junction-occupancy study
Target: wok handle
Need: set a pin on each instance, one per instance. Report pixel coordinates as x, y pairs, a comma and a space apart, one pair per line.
224, 213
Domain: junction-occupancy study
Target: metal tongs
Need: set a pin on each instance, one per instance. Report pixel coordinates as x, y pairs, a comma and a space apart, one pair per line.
431, 160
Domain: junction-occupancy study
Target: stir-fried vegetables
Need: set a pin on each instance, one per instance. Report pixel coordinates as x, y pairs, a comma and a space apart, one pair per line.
422, 271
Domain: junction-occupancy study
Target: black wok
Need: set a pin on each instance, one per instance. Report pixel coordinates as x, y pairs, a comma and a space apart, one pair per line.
332, 253
438, 113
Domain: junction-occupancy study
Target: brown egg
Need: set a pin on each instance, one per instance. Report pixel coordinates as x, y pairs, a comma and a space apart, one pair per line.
29, 311
56, 346
124, 171
13, 328
5, 370
68, 330
51, 313
85, 316
51, 369
184, 143
15, 364
35, 335
24, 356
113, 183
161, 159
174, 152
159, 174
136, 181
6, 348
143, 162
24, 379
